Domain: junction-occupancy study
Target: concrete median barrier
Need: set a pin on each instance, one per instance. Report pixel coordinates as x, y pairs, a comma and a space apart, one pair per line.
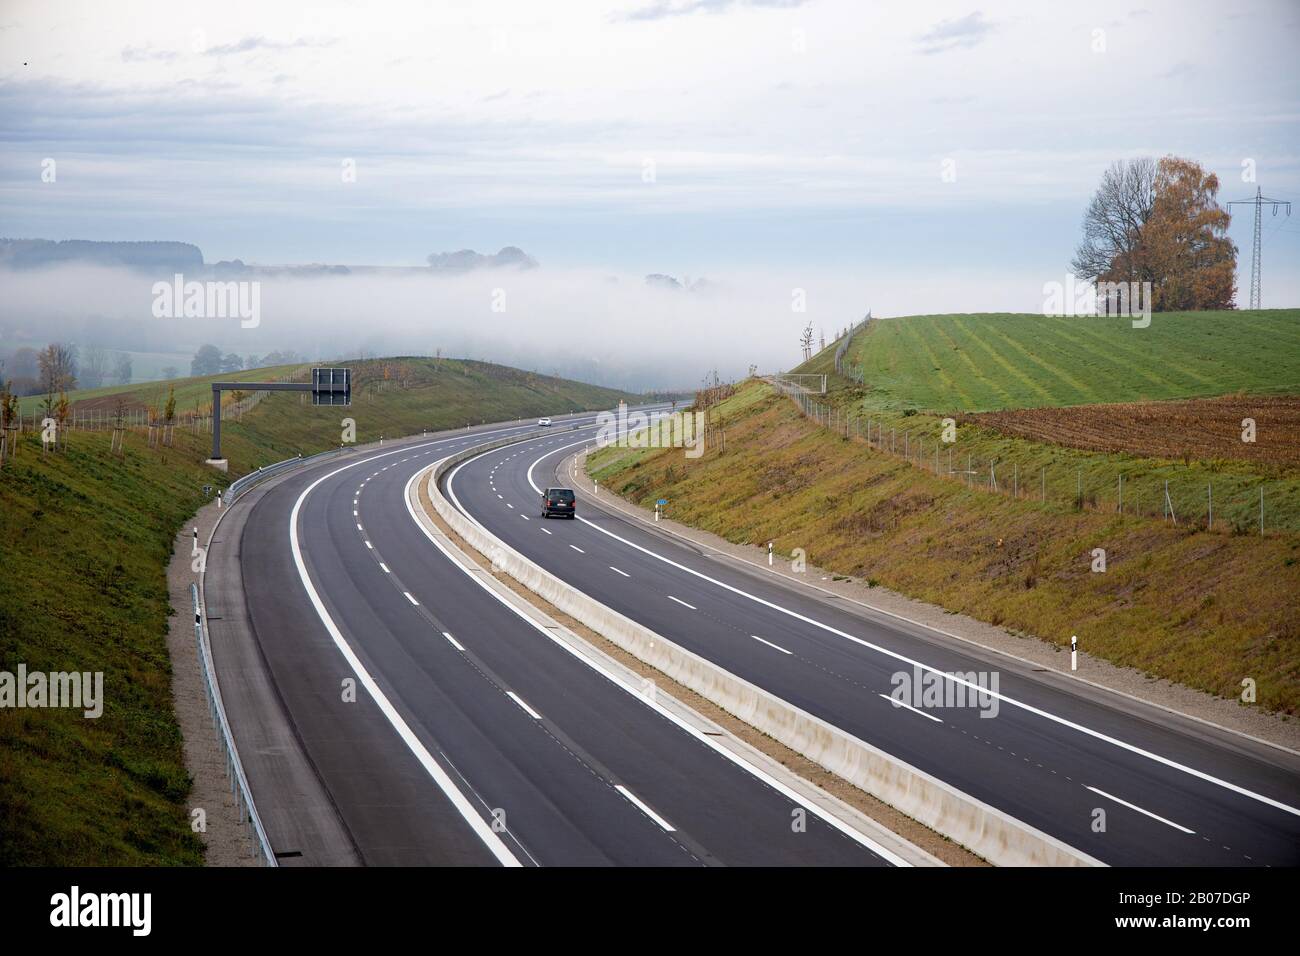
987, 831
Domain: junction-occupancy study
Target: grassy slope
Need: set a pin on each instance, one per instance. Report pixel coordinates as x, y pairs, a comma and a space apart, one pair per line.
980, 362
1203, 609
84, 542
1262, 356
189, 391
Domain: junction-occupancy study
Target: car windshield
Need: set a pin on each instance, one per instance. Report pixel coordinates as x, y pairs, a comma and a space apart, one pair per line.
560, 494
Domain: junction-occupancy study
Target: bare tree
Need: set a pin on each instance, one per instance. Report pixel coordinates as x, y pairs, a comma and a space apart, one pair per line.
1114, 223
58, 372
122, 368
94, 368
805, 342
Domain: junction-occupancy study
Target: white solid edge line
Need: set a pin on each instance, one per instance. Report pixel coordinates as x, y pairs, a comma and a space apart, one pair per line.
640, 804
770, 644
683, 603
889, 856
520, 701
899, 703
1037, 711
440, 777
454, 643
1132, 806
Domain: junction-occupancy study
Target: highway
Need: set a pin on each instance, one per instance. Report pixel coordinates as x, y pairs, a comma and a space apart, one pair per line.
1126, 782
390, 711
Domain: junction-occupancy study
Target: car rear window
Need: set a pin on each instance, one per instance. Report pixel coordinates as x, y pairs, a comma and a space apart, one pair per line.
560, 494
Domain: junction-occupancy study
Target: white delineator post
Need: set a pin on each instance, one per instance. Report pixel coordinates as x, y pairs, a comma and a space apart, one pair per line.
769, 554
1074, 653
656, 512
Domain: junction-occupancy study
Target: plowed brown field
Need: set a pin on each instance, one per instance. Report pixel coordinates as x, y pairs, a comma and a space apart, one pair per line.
1204, 429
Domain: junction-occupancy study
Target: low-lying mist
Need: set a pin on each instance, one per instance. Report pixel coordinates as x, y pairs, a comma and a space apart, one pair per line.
609, 330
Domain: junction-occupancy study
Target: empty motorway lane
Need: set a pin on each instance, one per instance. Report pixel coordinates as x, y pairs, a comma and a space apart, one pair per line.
471, 738
1172, 791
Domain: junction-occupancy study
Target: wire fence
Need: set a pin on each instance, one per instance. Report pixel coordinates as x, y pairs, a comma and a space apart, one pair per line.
850, 370
1233, 504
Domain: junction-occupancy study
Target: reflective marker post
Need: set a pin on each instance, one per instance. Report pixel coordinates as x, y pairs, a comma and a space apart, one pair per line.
1074, 653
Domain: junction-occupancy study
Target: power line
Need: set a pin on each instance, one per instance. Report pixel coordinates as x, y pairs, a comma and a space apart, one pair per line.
1257, 246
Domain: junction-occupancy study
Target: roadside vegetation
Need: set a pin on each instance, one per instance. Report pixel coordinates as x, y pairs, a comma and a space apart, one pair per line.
1207, 609
85, 538
1026, 423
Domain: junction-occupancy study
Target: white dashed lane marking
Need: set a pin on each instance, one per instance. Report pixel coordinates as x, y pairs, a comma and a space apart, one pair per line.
518, 700
769, 644
898, 703
1131, 806
644, 809
683, 603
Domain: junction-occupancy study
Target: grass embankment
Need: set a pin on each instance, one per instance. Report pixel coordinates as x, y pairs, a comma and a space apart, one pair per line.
989, 361
921, 369
85, 538
192, 392
1203, 609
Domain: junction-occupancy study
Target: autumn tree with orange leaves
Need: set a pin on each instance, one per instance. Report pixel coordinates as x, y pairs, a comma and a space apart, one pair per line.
1160, 222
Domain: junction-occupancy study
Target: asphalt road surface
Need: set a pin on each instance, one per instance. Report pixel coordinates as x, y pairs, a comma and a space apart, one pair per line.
470, 737
1128, 783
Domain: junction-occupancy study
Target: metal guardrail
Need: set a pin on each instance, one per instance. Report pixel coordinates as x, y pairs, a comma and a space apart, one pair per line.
234, 769
253, 477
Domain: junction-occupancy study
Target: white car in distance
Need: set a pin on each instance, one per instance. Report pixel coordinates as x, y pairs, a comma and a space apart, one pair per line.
544, 422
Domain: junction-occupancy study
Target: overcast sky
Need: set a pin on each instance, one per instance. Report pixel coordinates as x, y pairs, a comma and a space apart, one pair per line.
696, 137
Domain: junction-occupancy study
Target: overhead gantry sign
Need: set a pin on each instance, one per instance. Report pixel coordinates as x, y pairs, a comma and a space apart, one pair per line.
328, 386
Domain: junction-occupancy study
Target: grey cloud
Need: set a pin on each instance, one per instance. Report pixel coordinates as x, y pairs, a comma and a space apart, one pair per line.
962, 33
144, 54
251, 43
663, 9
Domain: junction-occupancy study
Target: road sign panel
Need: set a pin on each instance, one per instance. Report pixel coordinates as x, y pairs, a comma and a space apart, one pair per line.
331, 386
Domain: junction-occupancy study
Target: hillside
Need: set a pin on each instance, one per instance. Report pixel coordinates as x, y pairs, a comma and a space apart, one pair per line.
1114, 452
85, 537
985, 362
1204, 608
191, 392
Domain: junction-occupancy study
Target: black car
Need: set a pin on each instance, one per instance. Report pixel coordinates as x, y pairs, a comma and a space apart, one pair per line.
559, 501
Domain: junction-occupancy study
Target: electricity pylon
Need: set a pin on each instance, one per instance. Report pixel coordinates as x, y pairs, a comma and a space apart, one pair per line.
1258, 202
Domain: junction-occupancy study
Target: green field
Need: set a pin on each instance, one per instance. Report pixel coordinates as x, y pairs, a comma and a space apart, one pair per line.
988, 361
85, 537
192, 391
